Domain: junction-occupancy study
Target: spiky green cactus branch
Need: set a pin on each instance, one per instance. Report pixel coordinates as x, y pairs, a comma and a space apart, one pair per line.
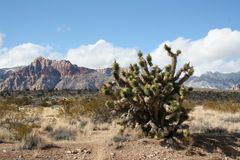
152, 96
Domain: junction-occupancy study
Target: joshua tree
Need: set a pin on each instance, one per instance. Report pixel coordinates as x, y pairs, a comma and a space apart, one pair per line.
152, 96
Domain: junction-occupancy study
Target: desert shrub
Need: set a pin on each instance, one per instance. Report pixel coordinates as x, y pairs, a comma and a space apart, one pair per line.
54, 102
21, 101
67, 105
34, 141
48, 128
31, 141
18, 100
152, 96
120, 138
212, 121
92, 105
189, 104
45, 103
19, 121
5, 135
20, 130
63, 133
6, 107
223, 106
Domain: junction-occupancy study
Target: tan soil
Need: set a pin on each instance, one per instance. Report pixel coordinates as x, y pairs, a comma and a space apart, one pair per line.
99, 146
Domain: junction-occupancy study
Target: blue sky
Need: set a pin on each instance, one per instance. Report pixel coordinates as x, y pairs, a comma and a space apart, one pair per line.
118, 28
127, 23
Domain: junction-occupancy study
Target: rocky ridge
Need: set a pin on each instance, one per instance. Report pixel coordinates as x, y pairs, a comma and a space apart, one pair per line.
215, 80
46, 74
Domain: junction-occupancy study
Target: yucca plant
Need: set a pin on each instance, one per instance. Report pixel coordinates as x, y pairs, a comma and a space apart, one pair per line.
151, 96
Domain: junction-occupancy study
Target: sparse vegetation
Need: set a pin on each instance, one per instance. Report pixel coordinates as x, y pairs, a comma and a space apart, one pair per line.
214, 122
223, 106
63, 133
34, 141
90, 106
33, 126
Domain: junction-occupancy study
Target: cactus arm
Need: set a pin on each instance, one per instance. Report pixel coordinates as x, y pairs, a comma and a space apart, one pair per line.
174, 59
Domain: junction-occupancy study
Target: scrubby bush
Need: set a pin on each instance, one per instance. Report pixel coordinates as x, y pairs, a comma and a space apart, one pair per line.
34, 141
18, 121
222, 106
63, 133
31, 141
151, 96
90, 105
5, 135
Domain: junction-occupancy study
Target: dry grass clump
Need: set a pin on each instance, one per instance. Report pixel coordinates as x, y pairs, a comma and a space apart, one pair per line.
189, 104
63, 133
210, 121
18, 121
5, 135
58, 129
89, 106
18, 100
224, 106
34, 141
21, 130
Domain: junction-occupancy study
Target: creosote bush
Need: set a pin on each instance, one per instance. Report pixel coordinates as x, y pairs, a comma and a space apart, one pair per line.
152, 97
63, 134
35, 141
222, 106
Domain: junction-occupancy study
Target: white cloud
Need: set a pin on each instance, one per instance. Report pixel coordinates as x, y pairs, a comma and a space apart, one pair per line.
1, 39
21, 55
101, 54
64, 29
218, 51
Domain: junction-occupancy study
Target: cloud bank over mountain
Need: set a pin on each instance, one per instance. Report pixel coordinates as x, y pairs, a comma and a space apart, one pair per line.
219, 50
101, 55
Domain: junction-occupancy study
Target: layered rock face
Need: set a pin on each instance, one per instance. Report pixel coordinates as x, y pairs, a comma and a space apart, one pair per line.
45, 74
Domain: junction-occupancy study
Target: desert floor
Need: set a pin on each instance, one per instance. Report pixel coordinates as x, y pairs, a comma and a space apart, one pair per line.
101, 144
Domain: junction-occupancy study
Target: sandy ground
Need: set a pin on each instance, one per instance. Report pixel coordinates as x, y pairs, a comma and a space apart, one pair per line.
98, 145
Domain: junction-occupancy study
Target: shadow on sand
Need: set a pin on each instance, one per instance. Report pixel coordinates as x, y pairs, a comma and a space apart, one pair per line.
212, 141
227, 143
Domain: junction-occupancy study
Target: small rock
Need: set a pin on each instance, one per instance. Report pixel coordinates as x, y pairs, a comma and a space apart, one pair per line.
110, 144
74, 157
88, 151
74, 152
4, 151
218, 150
85, 150
119, 146
151, 156
37, 156
112, 154
143, 141
68, 152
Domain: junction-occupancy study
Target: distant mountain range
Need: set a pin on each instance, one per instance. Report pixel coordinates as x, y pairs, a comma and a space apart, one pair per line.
46, 74
215, 80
